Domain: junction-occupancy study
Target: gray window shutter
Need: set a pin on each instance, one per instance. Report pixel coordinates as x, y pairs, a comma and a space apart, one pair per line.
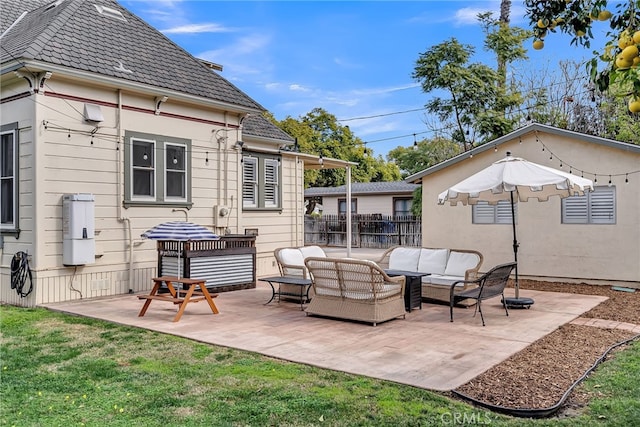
484, 213
602, 206
595, 207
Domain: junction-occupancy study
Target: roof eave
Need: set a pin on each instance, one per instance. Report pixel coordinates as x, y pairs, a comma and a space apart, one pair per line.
88, 76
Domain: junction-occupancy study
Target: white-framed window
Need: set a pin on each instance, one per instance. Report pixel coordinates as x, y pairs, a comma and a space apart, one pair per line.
143, 163
500, 213
261, 178
157, 170
594, 207
9, 178
175, 172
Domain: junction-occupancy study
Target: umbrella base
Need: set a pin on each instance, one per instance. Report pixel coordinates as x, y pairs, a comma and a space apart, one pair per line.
518, 302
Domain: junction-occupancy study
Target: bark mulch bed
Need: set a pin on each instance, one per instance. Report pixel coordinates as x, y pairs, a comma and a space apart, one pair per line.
538, 376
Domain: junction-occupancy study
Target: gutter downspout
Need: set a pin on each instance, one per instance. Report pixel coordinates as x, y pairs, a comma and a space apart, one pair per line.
121, 218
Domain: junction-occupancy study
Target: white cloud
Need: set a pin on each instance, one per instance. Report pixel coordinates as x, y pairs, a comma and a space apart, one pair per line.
197, 28
298, 88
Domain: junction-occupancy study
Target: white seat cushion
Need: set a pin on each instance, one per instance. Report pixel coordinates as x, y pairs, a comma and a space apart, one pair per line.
443, 280
292, 256
433, 261
404, 259
312, 251
460, 262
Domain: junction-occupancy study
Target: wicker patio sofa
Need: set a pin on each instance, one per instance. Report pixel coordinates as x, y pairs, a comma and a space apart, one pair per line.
445, 267
354, 289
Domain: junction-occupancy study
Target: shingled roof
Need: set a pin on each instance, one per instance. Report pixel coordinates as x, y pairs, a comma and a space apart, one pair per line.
76, 35
363, 188
259, 126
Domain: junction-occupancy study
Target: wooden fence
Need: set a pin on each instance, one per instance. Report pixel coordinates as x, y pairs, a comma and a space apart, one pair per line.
367, 231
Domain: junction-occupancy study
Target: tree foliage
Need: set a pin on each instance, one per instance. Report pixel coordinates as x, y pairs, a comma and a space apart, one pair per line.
620, 74
481, 105
319, 133
423, 155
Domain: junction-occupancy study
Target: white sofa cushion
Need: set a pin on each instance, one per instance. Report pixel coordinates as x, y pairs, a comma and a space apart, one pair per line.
443, 280
404, 259
460, 262
312, 251
433, 261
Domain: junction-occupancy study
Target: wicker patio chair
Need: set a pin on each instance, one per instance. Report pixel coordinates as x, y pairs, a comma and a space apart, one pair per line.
490, 285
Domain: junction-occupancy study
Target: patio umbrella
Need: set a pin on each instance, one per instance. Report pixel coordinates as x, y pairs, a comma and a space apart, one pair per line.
516, 180
181, 231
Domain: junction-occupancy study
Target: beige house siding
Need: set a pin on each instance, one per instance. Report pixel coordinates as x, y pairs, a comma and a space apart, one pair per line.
52, 163
548, 248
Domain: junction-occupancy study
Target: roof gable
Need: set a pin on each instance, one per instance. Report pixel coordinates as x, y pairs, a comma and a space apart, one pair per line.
532, 128
76, 35
257, 125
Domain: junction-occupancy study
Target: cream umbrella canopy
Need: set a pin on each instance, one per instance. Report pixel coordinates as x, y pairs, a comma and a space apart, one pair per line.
516, 180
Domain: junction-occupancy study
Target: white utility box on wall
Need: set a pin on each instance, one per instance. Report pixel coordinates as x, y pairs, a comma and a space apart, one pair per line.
78, 229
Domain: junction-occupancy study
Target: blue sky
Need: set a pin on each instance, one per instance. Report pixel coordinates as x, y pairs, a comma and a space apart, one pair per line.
354, 59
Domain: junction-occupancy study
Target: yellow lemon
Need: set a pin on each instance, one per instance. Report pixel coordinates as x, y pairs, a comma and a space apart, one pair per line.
604, 15
622, 63
625, 40
629, 52
543, 23
634, 105
538, 44
580, 33
636, 37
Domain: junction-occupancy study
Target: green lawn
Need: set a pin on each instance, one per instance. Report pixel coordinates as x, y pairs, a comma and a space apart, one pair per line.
60, 370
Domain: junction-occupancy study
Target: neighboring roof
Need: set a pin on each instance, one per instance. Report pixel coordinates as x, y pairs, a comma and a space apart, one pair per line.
363, 188
73, 34
534, 127
259, 126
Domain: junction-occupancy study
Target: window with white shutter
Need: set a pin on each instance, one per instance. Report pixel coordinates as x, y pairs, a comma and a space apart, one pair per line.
484, 213
261, 178
595, 207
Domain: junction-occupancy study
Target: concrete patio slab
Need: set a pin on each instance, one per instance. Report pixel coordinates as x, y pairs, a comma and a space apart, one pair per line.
424, 350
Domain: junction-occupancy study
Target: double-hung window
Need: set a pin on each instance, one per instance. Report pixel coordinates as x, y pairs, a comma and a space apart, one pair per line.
9, 178
402, 206
261, 177
342, 206
157, 170
594, 207
500, 213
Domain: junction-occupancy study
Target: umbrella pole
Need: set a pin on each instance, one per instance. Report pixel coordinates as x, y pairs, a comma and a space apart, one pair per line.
516, 302
515, 245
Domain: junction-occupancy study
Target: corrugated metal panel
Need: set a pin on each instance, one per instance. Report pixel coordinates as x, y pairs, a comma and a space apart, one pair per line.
217, 270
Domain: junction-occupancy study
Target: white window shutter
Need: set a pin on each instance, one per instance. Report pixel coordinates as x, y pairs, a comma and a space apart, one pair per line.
250, 182
271, 183
602, 206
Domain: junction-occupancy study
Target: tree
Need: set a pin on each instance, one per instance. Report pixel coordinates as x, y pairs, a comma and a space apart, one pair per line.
423, 155
319, 133
620, 57
482, 104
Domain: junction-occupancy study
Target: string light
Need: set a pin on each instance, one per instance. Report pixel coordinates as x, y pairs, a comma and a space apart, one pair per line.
206, 157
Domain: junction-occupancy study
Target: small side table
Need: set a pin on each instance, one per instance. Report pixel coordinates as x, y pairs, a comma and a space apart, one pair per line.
412, 287
303, 284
